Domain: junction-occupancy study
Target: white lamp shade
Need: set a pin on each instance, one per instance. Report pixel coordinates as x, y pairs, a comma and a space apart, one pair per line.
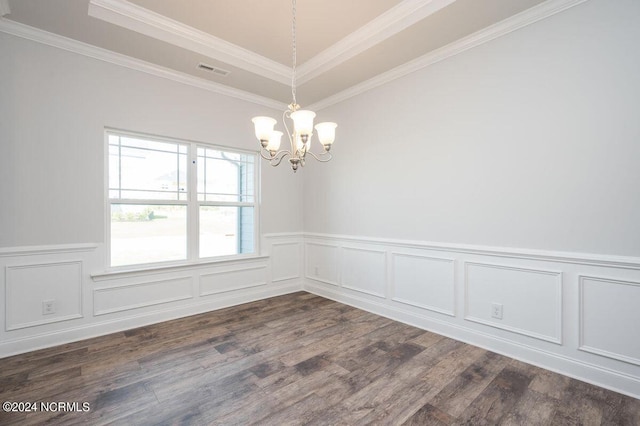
264, 127
274, 141
303, 121
326, 132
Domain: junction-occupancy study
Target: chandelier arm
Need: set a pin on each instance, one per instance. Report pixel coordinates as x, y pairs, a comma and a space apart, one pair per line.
275, 163
277, 159
323, 158
262, 154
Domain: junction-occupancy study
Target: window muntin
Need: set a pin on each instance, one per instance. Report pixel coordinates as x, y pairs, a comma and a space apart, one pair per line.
150, 199
164, 165
225, 176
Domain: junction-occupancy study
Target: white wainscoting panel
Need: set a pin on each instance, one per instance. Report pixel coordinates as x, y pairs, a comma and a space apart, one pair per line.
107, 300
285, 261
232, 279
544, 294
322, 262
28, 286
531, 299
609, 312
425, 282
364, 270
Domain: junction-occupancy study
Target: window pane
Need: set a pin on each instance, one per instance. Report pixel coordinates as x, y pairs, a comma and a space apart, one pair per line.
147, 169
225, 176
226, 230
147, 234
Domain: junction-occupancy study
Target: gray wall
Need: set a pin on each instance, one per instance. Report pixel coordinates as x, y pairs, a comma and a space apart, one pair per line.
53, 111
531, 141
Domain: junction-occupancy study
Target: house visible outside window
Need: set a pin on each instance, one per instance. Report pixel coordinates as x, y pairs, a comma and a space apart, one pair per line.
177, 202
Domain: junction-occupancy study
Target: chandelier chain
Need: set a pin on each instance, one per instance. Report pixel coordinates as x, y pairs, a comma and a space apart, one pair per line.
293, 40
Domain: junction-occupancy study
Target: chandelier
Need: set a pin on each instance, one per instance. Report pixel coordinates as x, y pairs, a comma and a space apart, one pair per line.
300, 138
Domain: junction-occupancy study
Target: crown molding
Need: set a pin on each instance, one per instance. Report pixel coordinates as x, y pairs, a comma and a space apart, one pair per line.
4, 8
393, 21
149, 23
523, 19
530, 16
152, 24
64, 43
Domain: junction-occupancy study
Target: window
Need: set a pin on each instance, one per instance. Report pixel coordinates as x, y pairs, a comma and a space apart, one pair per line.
174, 201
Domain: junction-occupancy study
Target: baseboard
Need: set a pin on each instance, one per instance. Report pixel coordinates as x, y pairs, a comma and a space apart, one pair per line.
570, 367
95, 329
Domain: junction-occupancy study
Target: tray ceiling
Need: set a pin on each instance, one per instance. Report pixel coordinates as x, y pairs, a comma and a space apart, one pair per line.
343, 46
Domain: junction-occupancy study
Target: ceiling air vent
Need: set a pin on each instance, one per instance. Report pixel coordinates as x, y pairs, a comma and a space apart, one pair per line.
209, 68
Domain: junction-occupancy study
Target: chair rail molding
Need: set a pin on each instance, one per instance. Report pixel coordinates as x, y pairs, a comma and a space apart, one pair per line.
556, 314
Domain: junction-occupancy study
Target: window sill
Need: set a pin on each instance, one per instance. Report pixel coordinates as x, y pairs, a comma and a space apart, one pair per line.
134, 272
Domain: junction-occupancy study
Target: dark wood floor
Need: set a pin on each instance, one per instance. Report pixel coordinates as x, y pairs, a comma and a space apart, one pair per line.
296, 359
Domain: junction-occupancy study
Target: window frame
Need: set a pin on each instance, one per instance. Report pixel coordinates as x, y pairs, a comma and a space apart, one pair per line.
192, 203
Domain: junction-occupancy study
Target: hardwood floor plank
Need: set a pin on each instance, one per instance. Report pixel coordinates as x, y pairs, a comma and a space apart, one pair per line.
429, 415
296, 359
532, 409
465, 387
497, 400
305, 410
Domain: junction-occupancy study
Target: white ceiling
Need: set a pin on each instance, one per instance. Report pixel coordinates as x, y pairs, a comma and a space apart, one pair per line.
344, 46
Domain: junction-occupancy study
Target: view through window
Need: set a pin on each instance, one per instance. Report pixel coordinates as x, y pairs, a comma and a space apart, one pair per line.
172, 201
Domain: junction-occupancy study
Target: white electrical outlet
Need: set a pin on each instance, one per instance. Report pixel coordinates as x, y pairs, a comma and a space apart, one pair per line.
496, 310
316, 271
48, 307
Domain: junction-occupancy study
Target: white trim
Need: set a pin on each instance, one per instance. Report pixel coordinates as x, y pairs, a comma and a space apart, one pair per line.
136, 18
343, 249
113, 275
561, 364
337, 263
191, 203
255, 284
622, 262
352, 43
557, 338
322, 280
134, 306
275, 235
4, 8
522, 19
43, 322
64, 43
591, 349
47, 339
144, 21
391, 22
8, 310
394, 255
286, 243
46, 250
